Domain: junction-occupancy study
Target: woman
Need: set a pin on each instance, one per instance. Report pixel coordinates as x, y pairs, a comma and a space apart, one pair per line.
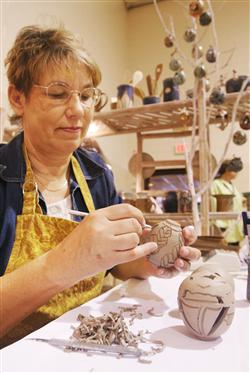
223, 184
50, 263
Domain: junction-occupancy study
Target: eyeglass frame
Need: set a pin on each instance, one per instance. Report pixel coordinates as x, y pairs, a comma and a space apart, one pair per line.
71, 91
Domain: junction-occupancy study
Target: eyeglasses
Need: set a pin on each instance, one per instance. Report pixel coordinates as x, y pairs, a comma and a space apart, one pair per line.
60, 93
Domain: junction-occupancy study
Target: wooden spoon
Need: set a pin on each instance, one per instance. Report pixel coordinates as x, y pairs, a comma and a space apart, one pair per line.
150, 85
139, 92
137, 77
158, 71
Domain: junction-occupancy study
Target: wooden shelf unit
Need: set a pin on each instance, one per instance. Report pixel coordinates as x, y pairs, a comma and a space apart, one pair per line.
163, 116
163, 120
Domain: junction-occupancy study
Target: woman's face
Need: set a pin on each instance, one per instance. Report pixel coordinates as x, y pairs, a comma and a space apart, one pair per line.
230, 175
51, 126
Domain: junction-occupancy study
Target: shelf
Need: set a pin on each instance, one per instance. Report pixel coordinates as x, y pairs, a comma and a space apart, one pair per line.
164, 116
186, 218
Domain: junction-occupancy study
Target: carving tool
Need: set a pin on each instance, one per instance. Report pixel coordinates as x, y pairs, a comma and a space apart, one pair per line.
81, 213
91, 347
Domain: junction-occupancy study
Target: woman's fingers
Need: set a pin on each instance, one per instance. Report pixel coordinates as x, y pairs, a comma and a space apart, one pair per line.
189, 253
136, 253
122, 211
124, 226
189, 234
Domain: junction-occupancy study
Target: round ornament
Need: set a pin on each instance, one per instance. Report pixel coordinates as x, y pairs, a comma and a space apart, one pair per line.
239, 138
206, 301
190, 35
179, 77
205, 18
211, 55
168, 235
217, 97
169, 41
196, 8
200, 71
175, 64
245, 121
197, 51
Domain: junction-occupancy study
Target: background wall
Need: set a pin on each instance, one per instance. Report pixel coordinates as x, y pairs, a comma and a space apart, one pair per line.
122, 42
146, 50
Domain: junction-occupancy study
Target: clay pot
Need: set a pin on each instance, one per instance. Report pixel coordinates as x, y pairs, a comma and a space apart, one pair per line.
224, 202
168, 235
239, 137
245, 121
206, 301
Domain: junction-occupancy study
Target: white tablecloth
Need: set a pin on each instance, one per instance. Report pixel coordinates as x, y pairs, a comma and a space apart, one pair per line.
182, 351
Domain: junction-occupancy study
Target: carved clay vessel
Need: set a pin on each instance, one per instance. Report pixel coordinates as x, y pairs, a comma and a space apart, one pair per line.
206, 301
168, 235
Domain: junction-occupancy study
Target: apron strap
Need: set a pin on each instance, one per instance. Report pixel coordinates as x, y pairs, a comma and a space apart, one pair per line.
82, 184
30, 188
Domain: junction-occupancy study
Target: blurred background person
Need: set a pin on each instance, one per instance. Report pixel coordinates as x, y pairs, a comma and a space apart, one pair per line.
223, 185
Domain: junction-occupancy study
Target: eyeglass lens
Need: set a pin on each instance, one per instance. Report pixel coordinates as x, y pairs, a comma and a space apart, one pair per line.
60, 93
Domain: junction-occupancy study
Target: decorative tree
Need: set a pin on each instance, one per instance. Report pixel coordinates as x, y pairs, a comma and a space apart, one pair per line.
204, 98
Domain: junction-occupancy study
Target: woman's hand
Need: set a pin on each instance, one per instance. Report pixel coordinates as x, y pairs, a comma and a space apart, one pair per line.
143, 268
104, 239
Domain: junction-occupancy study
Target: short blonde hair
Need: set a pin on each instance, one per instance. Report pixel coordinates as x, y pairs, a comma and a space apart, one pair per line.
36, 49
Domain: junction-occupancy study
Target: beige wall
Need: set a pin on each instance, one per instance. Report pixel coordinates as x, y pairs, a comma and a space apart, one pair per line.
122, 42
146, 50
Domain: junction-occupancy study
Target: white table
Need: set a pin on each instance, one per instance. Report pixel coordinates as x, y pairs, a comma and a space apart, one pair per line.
182, 352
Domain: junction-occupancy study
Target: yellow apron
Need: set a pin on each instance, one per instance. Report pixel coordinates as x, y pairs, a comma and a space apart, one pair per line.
36, 234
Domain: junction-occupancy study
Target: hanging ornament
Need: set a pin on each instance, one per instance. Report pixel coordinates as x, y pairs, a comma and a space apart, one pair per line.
217, 96
211, 55
175, 64
169, 41
196, 8
207, 85
197, 51
239, 138
190, 35
200, 71
222, 116
179, 78
245, 121
205, 18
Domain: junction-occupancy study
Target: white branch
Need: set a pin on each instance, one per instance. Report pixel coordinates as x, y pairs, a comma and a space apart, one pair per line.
233, 121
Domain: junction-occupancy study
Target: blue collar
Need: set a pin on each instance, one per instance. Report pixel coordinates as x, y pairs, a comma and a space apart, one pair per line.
13, 168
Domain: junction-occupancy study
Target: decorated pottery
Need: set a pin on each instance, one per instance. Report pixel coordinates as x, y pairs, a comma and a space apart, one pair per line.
190, 35
196, 8
179, 77
239, 137
217, 96
175, 64
211, 55
169, 41
200, 71
206, 301
235, 83
205, 18
168, 235
170, 90
245, 121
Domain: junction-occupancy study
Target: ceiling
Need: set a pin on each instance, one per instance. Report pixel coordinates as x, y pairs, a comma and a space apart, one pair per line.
135, 4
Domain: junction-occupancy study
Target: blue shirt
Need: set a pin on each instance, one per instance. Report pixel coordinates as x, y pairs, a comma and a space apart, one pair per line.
12, 174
